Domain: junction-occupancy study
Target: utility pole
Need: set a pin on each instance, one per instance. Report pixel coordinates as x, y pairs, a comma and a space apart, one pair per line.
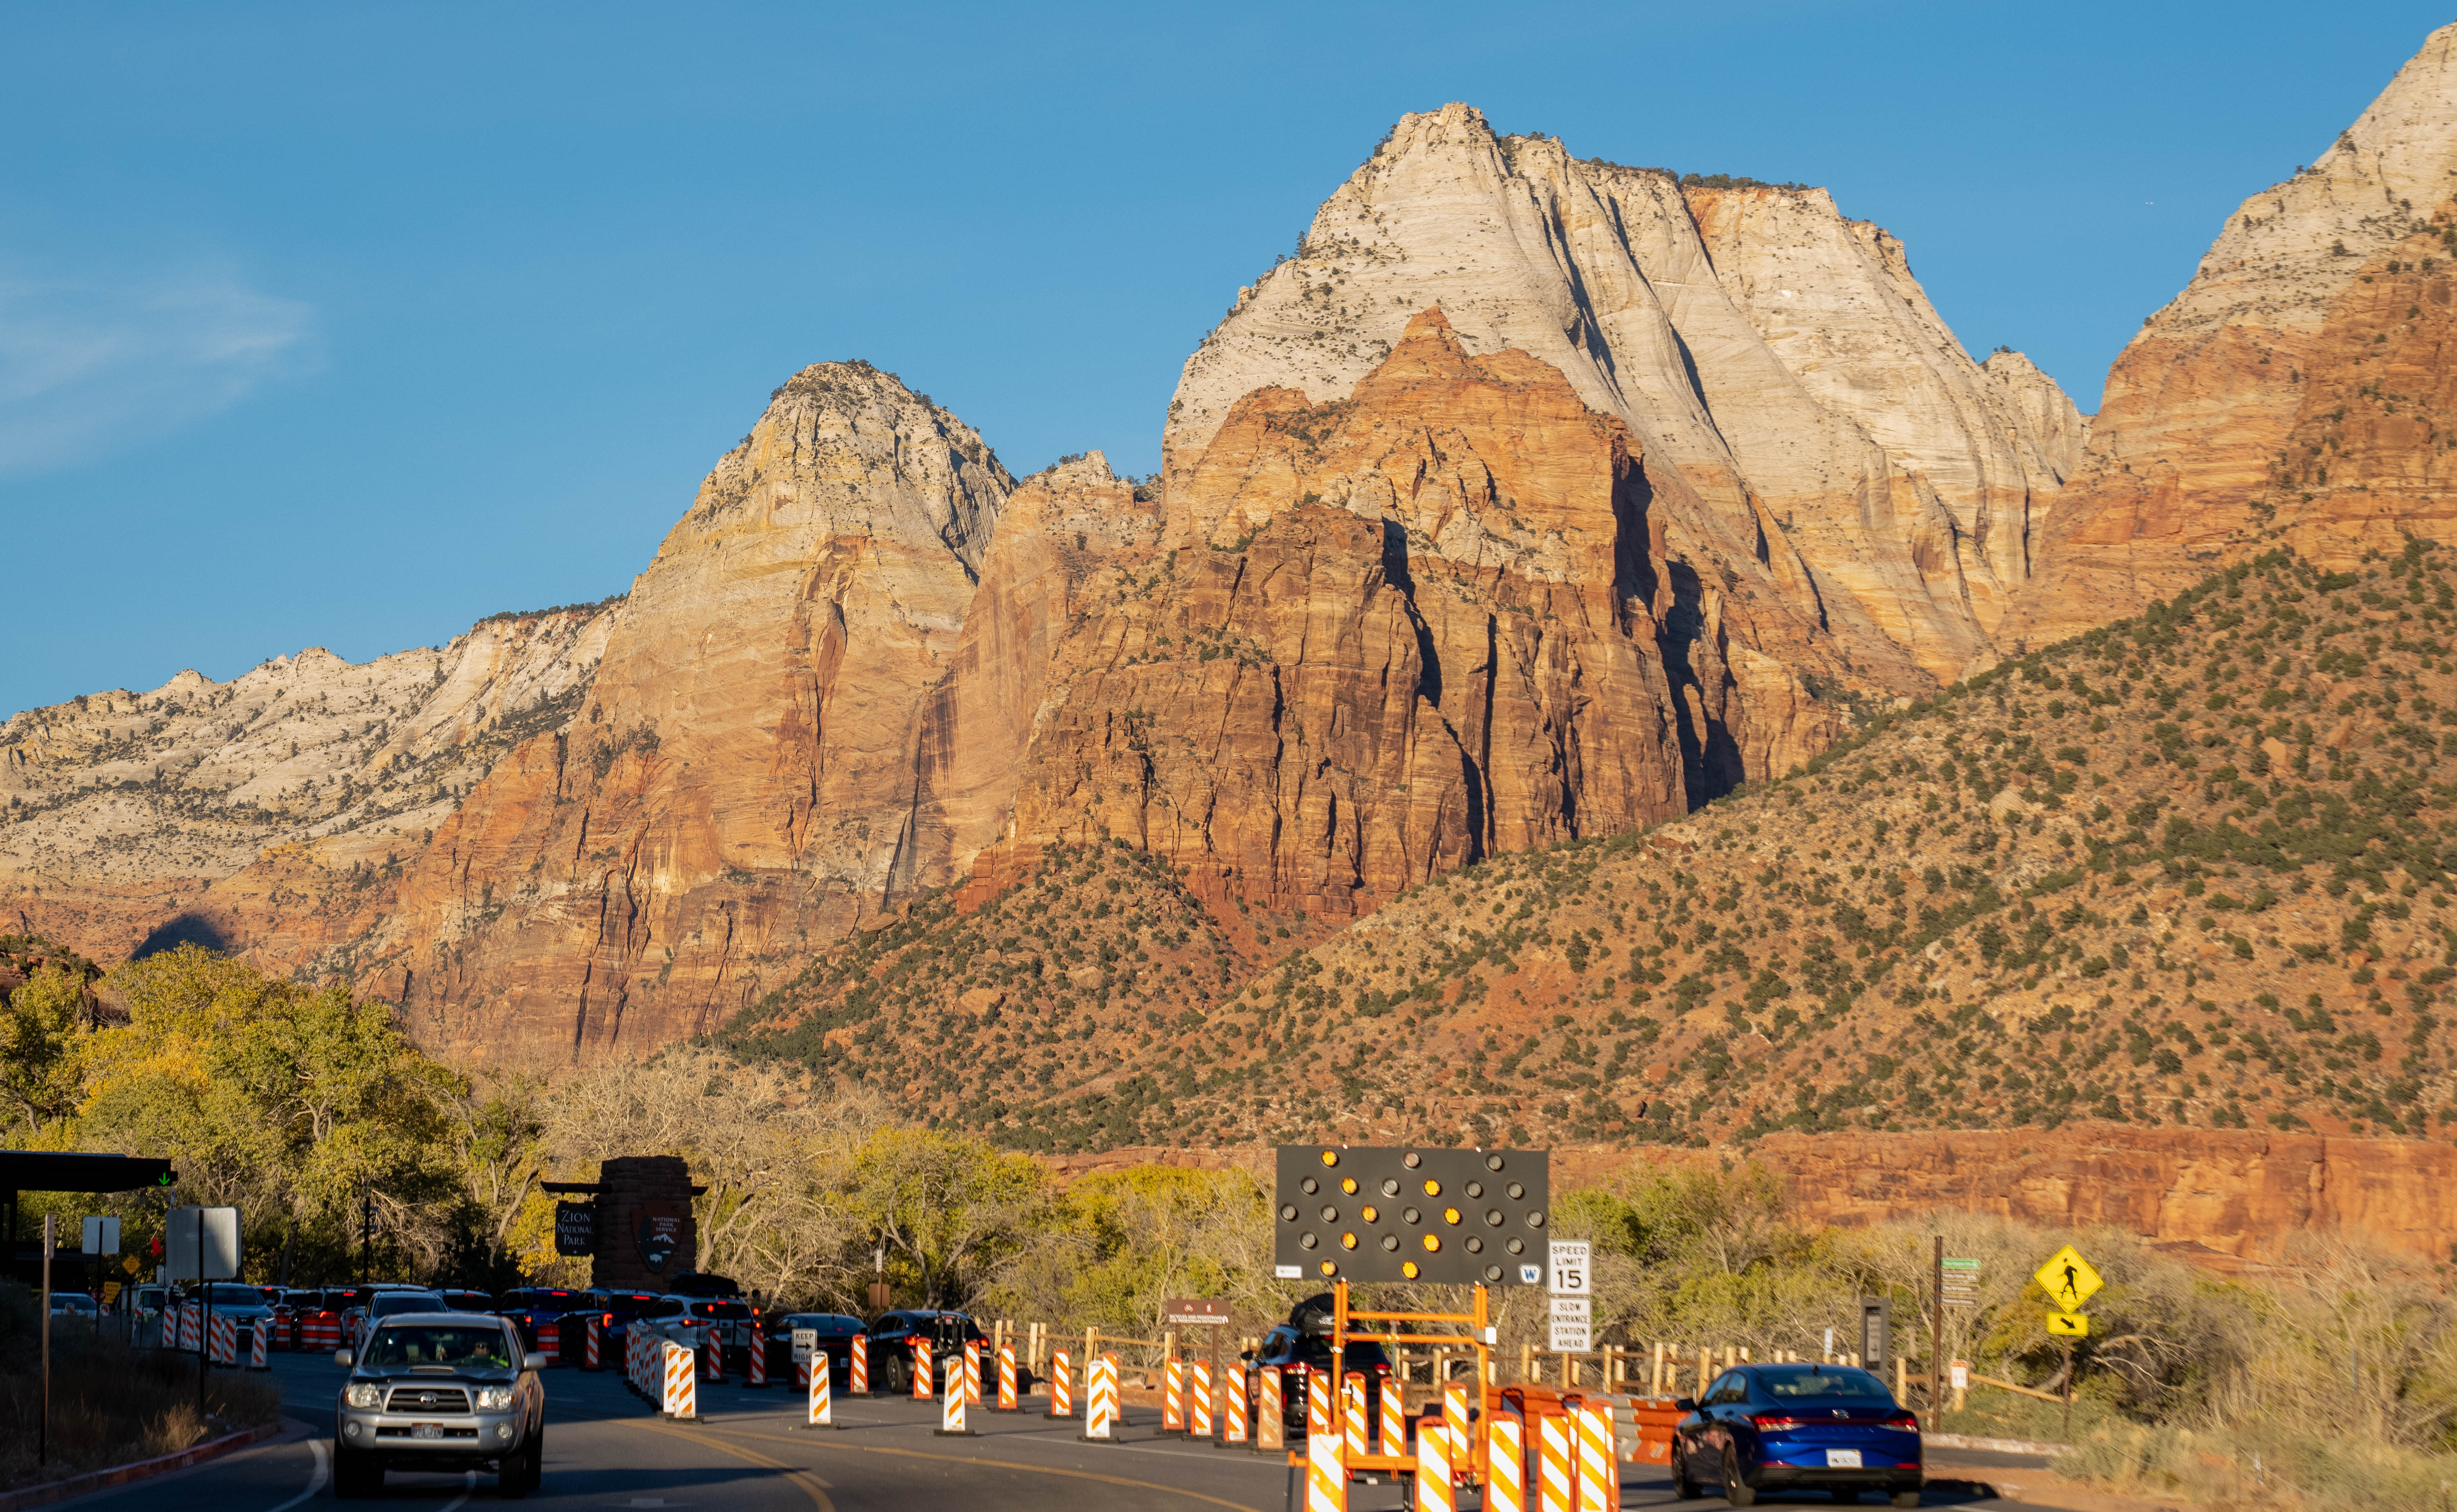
43, 1430
1937, 1335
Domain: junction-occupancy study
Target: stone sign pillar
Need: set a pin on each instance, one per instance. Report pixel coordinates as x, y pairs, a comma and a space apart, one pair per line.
646, 1235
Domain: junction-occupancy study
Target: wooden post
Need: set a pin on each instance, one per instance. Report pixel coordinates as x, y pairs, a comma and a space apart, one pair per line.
1705, 1369
1937, 1332
1902, 1377
1526, 1364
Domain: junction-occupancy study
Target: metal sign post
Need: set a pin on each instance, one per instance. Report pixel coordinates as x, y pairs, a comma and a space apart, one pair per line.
43, 1430
1212, 1316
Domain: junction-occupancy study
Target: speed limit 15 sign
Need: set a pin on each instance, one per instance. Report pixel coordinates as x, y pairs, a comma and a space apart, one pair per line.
1570, 1276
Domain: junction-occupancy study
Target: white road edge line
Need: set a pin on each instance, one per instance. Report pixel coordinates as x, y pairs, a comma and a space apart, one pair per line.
458, 1502
314, 1480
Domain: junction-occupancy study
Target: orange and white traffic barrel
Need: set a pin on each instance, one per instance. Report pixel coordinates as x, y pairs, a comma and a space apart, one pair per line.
1061, 1385
1505, 1464
1172, 1396
1557, 1486
1006, 1396
1270, 1411
592, 1343
860, 1383
1101, 1400
551, 1340
1233, 1414
951, 1407
1395, 1420
755, 1373
921, 1383
1357, 1440
682, 1385
822, 1409
1435, 1441
1199, 1399
713, 1353
1325, 1471
259, 1341
973, 1372
1598, 1469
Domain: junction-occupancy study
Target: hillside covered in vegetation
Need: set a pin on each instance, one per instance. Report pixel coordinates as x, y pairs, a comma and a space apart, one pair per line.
2188, 868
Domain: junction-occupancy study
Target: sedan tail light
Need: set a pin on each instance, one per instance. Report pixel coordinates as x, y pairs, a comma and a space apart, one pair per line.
1775, 1421
1903, 1420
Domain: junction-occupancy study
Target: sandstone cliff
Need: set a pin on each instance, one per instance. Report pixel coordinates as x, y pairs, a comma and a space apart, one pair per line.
740, 782
2296, 391
118, 810
1811, 431
1389, 634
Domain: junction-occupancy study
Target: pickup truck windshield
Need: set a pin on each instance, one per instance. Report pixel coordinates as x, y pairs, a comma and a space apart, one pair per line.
465, 1347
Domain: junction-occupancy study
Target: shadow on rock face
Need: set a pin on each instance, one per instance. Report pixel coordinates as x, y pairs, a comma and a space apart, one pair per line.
187, 930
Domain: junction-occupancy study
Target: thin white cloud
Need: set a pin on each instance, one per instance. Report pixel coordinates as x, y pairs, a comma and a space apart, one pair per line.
90, 368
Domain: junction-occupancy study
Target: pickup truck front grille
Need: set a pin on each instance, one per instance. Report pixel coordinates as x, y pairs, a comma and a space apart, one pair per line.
449, 1400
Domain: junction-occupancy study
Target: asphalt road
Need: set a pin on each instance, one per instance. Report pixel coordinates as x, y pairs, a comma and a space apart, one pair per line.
606, 1449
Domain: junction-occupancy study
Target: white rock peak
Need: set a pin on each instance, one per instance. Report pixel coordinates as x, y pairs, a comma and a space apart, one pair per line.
1792, 388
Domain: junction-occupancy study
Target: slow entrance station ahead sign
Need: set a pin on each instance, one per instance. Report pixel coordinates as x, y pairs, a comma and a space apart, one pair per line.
1456, 1217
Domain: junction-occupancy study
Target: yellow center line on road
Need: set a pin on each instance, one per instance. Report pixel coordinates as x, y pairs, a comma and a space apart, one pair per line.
815, 1443
809, 1484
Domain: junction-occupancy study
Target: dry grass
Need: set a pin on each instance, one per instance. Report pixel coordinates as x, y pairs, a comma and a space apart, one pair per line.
109, 1404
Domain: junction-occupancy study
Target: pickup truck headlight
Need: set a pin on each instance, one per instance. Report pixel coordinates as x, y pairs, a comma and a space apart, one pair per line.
363, 1395
495, 1399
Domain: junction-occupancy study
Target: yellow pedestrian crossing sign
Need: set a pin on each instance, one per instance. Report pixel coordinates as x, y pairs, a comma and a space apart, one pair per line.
2068, 1279
2068, 1325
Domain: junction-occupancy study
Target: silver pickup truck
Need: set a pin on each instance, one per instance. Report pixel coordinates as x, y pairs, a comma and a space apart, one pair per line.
440, 1391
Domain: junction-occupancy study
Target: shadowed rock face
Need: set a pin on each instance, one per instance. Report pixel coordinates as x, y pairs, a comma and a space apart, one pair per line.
1810, 429
2296, 392
1384, 636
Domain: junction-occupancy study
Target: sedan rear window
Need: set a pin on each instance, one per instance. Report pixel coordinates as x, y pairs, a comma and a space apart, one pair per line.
1837, 1384
415, 1302
229, 1294
465, 1347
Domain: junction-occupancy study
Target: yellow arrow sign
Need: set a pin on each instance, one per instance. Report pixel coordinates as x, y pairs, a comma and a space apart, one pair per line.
2069, 1325
2068, 1279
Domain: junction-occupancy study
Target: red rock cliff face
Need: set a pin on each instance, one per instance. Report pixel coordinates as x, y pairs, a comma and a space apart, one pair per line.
2243, 1194
739, 784
2296, 392
1388, 635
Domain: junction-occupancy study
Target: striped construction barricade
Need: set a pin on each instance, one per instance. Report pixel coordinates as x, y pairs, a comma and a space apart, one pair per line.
593, 1341
1435, 1441
952, 1404
1505, 1463
681, 1401
1233, 1412
1598, 1467
1007, 1396
1354, 1434
550, 1342
1395, 1420
1270, 1412
1199, 1400
225, 1332
1557, 1487
1100, 1399
323, 1332
756, 1367
192, 1327
1061, 1384
712, 1353
1172, 1396
1325, 1471
259, 1342
1322, 1417
821, 1406
923, 1388
858, 1383
973, 1372
170, 1327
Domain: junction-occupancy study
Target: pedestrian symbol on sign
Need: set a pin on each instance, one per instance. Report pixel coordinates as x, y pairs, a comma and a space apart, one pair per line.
2068, 1279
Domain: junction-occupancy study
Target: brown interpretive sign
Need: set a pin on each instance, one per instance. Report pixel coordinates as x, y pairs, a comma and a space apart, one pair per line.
1195, 1312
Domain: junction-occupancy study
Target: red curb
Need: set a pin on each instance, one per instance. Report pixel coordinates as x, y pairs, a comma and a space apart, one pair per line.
142, 1469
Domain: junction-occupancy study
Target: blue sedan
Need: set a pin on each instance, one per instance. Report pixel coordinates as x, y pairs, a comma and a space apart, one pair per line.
1831, 1428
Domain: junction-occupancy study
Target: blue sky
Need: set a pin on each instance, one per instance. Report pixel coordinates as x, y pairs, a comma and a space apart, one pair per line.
344, 325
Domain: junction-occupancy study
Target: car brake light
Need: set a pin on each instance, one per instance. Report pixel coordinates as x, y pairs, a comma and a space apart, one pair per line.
1775, 1420
1902, 1420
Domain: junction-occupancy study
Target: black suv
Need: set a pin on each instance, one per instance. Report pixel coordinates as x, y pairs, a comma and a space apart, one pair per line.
891, 1345
530, 1307
836, 1331
1302, 1345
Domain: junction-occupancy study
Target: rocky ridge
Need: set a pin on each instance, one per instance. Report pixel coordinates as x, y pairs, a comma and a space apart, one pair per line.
119, 809
1811, 429
2226, 427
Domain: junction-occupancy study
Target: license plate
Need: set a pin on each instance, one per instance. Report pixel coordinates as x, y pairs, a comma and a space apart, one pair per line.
1842, 1459
435, 1430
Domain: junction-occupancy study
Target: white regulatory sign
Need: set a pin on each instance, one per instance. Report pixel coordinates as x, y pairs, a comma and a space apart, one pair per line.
1570, 1259
1571, 1338
1579, 1310
805, 1340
